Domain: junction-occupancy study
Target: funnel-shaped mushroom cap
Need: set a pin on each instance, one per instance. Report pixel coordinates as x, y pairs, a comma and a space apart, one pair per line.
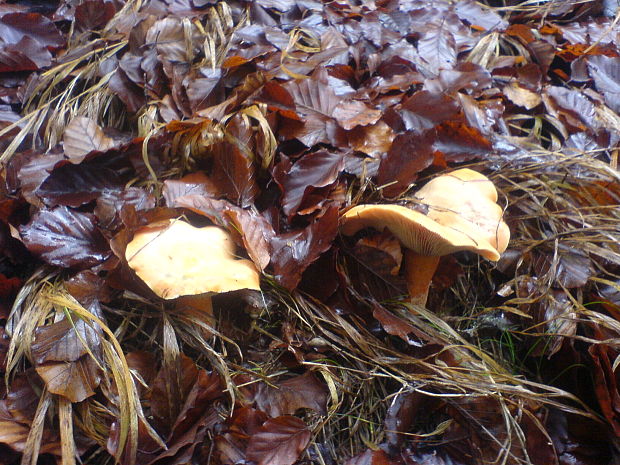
462, 215
175, 259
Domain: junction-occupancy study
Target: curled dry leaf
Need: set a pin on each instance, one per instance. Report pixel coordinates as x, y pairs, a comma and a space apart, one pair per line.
280, 441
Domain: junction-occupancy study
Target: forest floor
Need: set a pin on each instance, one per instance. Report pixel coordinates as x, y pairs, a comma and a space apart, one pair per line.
270, 120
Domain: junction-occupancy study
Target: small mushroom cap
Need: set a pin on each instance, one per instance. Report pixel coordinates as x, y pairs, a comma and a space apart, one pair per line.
176, 259
462, 215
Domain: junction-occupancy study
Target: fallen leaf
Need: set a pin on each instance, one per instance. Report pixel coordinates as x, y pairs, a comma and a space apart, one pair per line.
65, 238
300, 392
75, 381
280, 441
294, 251
314, 170
82, 136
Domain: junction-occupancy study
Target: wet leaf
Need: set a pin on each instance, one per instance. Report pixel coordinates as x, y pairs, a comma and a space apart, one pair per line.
64, 341
66, 238
410, 153
74, 185
312, 171
459, 142
75, 381
437, 47
294, 251
193, 184
93, 14
15, 26
279, 441
26, 55
82, 136
300, 392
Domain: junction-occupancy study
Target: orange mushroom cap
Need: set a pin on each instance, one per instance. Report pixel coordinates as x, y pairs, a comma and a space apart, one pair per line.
176, 259
462, 215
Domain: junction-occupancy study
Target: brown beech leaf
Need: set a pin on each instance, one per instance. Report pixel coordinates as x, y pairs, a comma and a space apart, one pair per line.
64, 341
93, 14
74, 380
606, 384
314, 170
111, 203
294, 251
606, 74
26, 55
15, 26
66, 238
233, 170
304, 391
193, 184
315, 102
522, 96
459, 142
280, 441
410, 153
74, 185
82, 136
387, 243
373, 140
424, 110
396, 326
437, 47
352, 113
32, 174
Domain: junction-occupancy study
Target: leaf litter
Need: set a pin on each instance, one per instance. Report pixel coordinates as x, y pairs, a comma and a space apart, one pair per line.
269, 119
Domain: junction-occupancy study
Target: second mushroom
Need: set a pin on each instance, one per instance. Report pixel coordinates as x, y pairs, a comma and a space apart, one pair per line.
463, 214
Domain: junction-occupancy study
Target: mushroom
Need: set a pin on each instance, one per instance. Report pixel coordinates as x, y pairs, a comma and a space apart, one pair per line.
179, 261
462, 215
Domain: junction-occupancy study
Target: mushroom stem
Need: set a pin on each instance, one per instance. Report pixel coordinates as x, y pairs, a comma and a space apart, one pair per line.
419, 271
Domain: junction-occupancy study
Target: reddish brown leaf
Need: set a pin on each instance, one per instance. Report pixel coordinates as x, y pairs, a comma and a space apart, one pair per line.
280, 441
294, 251
410, 153
82, 136
64, 342
424, 110
396, 326
315, 102
314, 170
74, 185
233, 172
192, 184
353, 113
65, 238
386, 243
15, 26
93, 14
437, 47
301, 392
26, 55
74, 380
110, 204
459, 142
